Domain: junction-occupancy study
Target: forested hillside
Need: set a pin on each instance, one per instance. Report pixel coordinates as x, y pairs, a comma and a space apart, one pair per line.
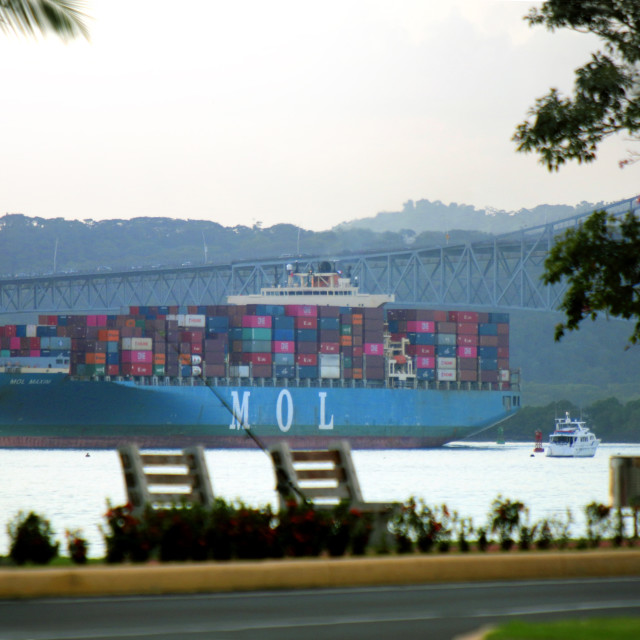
37, 245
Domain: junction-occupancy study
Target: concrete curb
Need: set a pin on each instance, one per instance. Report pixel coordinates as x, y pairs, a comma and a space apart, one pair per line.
211, 577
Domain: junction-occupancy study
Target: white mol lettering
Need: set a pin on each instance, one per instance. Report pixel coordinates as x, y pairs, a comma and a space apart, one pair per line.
239, 412
323, 423
16, 381
284, 426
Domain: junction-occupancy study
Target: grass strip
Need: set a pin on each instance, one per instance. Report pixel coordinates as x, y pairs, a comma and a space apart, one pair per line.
582, 629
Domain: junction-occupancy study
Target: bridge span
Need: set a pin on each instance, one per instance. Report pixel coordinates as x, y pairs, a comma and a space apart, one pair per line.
503, 274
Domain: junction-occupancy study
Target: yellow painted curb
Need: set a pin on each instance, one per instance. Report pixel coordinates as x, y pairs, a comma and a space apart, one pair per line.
213, 577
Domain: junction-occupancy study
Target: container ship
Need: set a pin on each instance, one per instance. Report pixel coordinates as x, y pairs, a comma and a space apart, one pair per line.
312, 361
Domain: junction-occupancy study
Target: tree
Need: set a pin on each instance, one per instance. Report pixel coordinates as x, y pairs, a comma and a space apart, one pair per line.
601, 261
605, 100
601, 258
63, 18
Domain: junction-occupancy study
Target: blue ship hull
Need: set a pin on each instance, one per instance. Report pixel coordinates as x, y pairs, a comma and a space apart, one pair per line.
57, 411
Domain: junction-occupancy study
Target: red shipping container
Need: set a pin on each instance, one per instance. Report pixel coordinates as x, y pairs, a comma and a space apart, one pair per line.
503, 352
470, 375
113, 369
503, 363
465, 340
468, 364
215, 370
137, 369
373, 348
467, 352
256, 322
256, 358
129, 357
488, 341
305, 322
261, 370
488, 376
329, 347
306, 347
307, 359
423, 362
421, 326
34, 353
421, 350
467, 328
283, 346
358, 351
503, 328
196, 348
301, 310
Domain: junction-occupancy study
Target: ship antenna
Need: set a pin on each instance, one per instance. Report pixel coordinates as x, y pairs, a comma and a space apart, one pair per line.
283, 481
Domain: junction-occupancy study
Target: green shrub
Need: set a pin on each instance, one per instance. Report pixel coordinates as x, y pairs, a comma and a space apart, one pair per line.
30, 537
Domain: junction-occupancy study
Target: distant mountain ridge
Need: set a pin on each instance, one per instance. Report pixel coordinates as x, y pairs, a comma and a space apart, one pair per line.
425, 215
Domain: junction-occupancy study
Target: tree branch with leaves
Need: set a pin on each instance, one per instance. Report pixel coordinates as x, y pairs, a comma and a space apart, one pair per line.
605, 99
600, 261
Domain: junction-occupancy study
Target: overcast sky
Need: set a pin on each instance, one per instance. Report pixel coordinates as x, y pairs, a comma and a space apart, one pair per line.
311, 113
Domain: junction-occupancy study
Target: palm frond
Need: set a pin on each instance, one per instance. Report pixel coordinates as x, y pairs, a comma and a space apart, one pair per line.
64, 18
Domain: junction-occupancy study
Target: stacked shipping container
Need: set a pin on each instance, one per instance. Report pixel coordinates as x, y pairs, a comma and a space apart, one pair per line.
282, 341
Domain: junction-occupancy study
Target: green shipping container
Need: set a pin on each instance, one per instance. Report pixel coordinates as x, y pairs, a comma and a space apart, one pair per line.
92, 369
256, 334
158, 369
256, 346
345, 330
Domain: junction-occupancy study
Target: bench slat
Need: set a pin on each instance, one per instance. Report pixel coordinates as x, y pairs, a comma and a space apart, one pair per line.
321, 474
315, 456
341, 492
168, 498
170, 478
159, 459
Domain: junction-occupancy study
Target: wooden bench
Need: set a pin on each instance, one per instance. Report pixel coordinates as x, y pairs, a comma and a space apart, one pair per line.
149, 482
324, 478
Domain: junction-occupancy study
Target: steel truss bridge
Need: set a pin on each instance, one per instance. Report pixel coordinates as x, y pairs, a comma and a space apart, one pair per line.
500, 274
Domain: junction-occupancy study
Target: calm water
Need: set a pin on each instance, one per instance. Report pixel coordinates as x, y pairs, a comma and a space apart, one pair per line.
71, 489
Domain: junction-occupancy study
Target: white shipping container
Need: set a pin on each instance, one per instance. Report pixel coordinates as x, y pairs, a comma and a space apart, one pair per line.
32, 330
239, 371
330, 360
194, 320
137, 344
328, 371
447, 374
445, 363
504, 375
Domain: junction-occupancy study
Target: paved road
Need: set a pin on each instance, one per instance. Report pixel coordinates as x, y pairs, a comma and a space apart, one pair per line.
436, 612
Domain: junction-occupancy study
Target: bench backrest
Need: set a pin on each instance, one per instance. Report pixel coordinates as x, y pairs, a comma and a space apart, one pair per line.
149, 481
321, 476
